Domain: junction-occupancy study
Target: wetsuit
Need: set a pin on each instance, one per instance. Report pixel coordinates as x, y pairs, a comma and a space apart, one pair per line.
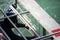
7, 26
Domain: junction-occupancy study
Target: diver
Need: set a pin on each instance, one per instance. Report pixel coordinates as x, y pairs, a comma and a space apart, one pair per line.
7, 26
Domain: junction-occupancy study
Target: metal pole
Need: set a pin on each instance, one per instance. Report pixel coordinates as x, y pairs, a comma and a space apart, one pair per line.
4, 33
47, 36
44, 33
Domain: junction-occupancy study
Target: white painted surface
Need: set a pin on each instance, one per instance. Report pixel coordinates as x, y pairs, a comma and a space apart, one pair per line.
40, 15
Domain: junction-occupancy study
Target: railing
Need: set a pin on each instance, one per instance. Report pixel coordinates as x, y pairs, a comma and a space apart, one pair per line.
23, 19
14, 25
46, 36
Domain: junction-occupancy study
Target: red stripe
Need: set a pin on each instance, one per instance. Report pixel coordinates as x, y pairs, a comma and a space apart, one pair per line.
56, 30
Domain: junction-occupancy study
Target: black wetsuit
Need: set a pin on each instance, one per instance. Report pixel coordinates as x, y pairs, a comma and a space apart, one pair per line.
6, 25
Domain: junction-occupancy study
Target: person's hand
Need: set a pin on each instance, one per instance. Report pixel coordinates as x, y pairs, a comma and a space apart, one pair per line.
27, 26
1, 36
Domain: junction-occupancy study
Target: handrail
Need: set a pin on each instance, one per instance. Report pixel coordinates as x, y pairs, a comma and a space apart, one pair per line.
22, 18
8, 38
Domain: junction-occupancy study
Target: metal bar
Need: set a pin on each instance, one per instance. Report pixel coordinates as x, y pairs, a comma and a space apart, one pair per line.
15, 14
46, 36
4, 33
8, 16
14, 25
8, 38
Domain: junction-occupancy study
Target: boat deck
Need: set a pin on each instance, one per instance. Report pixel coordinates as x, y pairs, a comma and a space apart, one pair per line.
52, 7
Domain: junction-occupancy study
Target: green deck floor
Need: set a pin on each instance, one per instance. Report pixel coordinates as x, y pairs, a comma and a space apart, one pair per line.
52, 7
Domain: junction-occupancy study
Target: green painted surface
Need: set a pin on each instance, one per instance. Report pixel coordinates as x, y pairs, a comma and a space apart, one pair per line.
52, 7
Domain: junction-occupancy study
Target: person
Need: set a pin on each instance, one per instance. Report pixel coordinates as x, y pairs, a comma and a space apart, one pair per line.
2, 36
6, 25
